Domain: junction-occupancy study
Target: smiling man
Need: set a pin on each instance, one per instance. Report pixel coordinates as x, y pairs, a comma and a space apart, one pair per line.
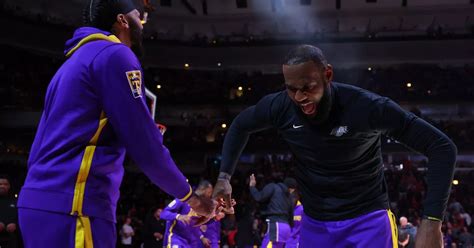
334, 131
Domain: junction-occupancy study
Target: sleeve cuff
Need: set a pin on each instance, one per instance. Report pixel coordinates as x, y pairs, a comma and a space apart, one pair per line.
432, 218
188, 195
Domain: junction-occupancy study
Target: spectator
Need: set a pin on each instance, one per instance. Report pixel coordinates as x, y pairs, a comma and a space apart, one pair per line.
466, 239
448, 239
127, 233
457, 223
154, 230
467, 218
407, 228
403, 239
455, 206
8, 215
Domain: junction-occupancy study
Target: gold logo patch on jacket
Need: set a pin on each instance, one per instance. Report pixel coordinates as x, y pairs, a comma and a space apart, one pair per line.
135, 80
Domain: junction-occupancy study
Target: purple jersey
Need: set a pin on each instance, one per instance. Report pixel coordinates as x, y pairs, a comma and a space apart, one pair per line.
212, 231
177, 232
94, 112
295, 230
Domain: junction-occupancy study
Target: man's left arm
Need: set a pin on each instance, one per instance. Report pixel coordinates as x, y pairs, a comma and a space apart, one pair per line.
422, 137
441, 152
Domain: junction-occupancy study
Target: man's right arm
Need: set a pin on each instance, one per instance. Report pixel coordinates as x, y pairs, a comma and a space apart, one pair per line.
117, 76
265, 194
253, 119
171, 211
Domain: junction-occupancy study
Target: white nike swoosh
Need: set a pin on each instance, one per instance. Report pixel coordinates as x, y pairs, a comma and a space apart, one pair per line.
294, 126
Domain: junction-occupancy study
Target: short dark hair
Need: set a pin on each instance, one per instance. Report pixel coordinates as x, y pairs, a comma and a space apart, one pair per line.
304, 53
204, 184
290, 183
102, 14
3, 176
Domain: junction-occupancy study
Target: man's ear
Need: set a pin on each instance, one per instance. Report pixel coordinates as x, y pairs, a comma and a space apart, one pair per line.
329, 73
122, 21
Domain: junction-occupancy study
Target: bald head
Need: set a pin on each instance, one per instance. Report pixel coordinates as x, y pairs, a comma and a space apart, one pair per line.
403, 221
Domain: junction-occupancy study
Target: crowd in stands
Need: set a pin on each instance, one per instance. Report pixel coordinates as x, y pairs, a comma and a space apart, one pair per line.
241, 36
27, 76
402, 83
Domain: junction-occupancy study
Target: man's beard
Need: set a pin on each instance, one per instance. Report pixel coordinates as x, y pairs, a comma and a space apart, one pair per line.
323, 108
136, 38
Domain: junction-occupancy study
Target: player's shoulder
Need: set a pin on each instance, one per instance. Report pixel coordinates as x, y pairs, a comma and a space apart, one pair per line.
276, 101
174, 203
352, 95
276, 96
273, 103
116, 51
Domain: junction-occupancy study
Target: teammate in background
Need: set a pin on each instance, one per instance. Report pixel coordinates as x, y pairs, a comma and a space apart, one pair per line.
94, 112
293, 241
180, 227
334, 131
278, 210
211, 231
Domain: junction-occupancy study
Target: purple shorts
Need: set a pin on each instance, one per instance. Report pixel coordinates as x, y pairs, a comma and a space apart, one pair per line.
375, 229
277, 234
55, 230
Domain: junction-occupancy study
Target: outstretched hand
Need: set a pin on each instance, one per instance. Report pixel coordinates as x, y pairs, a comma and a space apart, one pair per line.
252, 181
203, 207
223, 191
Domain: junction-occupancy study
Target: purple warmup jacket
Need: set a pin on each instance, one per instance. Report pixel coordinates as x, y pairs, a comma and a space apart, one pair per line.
213, 231
295, 230
174, 227
94, 112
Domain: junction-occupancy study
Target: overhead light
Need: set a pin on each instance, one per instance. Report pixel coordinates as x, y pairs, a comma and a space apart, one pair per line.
369, 69
455, 182
219, 64
409, 85
158, 86
240, 88
224, 125
186, 65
